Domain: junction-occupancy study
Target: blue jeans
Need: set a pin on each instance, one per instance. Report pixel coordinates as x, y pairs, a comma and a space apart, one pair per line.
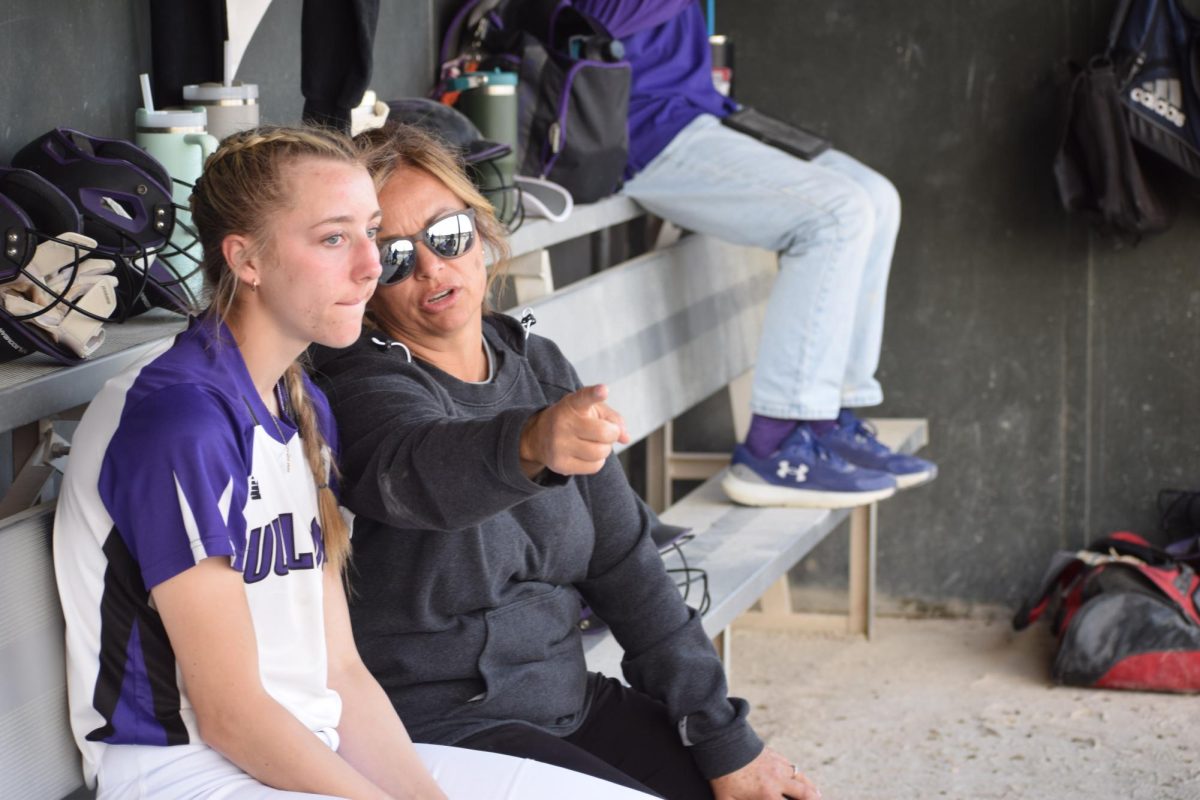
833, 222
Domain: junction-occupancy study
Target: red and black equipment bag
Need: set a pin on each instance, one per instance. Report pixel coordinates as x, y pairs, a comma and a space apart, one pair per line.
1125, 616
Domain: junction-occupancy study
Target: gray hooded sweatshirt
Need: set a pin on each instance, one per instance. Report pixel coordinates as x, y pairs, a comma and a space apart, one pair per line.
466, 575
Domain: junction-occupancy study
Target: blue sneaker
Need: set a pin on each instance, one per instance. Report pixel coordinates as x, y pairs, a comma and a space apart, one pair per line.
855, 441
803, 472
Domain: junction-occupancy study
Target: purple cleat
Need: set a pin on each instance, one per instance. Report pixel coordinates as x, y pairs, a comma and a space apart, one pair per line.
803, 472
856, 441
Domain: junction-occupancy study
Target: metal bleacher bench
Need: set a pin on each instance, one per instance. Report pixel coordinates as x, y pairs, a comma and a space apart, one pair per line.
664, 330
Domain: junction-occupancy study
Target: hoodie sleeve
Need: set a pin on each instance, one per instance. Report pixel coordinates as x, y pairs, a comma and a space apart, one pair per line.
668, 656
407, 461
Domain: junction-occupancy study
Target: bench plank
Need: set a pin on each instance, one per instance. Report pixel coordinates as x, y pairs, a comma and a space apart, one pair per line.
536, 234
35, 387
664, 330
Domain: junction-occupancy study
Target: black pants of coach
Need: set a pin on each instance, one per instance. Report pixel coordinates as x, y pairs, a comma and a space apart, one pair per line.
627, 739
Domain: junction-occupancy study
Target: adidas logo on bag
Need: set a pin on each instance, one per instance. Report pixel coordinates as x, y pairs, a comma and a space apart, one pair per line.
1164, 98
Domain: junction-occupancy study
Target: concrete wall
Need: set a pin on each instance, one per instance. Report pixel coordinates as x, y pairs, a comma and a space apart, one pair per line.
1057, 371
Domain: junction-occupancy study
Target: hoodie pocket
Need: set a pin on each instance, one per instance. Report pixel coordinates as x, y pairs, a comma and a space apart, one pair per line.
532, 662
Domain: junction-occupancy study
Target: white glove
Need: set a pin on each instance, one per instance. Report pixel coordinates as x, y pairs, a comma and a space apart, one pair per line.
94, 290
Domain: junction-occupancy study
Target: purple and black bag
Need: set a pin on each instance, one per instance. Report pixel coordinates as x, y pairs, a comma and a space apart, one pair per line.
573, 87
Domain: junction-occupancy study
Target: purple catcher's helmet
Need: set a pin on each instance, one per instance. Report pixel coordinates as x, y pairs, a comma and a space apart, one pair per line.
123, 195
34, 212
31, 210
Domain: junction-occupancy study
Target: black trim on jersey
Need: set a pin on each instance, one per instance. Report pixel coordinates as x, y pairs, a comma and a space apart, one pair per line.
124, 603
250, 408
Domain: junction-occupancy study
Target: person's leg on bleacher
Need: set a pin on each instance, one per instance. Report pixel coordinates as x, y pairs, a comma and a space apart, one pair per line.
822, 221
851, 438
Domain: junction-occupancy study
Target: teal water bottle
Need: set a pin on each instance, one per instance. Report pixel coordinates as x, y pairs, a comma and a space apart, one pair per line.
489, 99
177, 138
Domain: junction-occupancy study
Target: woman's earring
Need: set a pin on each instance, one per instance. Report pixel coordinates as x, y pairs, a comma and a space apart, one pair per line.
254, 285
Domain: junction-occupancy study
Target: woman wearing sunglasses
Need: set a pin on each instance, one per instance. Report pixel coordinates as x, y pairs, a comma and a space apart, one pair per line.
199, 548
487, 500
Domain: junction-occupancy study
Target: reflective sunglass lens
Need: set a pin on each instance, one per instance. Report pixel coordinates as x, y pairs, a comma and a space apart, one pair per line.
447, 238
451, 237
397, 259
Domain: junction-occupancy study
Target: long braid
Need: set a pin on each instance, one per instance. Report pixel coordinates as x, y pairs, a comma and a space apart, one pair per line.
243, 184
333, 525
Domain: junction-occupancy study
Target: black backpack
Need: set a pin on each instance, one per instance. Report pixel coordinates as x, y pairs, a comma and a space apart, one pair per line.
1096, 166
573, 90
1155, 50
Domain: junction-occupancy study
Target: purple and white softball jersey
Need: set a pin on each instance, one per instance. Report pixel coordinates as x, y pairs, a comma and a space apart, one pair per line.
177, 460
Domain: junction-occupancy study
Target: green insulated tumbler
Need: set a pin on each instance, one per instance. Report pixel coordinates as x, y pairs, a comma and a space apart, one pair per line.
489, 99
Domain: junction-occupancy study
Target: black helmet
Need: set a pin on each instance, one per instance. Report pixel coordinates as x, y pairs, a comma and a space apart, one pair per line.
123, 195
56, 287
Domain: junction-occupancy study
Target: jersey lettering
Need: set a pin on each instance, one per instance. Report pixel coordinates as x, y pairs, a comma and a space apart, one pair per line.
272, 547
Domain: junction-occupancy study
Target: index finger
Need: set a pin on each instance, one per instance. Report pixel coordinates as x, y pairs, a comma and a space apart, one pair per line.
588, 396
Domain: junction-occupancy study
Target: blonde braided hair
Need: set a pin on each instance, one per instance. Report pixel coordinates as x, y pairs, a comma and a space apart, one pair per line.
243, 184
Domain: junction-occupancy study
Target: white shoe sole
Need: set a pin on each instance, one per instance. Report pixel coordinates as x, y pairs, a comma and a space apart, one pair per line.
765, 494
914, 479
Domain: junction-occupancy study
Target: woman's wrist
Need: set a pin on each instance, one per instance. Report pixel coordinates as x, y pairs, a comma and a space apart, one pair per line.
529, 450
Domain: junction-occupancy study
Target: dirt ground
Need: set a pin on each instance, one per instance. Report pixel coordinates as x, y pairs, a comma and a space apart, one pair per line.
960, 708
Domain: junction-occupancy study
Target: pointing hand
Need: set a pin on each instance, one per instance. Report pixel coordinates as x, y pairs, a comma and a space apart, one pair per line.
574, 436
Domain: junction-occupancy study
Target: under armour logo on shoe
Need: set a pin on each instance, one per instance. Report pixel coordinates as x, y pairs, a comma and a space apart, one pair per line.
800, 473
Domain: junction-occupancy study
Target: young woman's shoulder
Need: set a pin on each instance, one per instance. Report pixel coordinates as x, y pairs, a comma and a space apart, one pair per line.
168, 461
191, 386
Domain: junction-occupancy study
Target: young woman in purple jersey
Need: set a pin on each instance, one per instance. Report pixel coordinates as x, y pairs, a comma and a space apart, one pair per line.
199, 547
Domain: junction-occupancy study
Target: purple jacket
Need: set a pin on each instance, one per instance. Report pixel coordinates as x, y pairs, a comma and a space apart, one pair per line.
666, 42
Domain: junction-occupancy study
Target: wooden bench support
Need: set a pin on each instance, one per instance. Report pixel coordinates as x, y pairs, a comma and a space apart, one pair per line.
863, 522
531, 276
658, 468
775, 611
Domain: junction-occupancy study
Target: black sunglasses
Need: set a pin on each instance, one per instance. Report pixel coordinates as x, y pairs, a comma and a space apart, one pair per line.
450, 236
